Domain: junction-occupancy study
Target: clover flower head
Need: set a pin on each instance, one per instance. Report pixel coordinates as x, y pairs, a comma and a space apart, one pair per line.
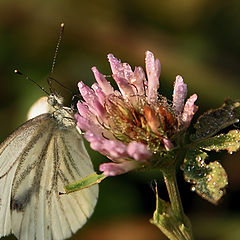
132, 124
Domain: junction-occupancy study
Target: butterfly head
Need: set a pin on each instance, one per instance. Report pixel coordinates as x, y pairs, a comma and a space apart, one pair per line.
53, 105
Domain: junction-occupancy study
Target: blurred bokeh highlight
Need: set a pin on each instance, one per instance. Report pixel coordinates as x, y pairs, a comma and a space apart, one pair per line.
199, 40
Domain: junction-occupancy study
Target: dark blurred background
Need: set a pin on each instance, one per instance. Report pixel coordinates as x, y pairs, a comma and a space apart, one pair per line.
199, 40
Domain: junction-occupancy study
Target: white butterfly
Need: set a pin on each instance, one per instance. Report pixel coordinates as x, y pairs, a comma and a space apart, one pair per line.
36, 162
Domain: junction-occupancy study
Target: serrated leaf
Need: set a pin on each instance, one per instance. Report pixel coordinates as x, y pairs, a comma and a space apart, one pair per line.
229, 142
84, 182
215, 120
209, 180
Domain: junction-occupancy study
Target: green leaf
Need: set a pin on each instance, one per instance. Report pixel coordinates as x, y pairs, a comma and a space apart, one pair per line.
84, 182
209, 180
229, 142
215, 120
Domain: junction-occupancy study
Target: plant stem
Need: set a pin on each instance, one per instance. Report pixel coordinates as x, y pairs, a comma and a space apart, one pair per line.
173, 192
170, 218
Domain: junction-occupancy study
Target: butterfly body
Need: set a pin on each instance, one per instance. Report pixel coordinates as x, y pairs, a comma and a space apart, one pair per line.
36, 162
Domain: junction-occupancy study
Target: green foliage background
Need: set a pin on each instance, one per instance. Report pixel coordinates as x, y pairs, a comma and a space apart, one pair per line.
199, 40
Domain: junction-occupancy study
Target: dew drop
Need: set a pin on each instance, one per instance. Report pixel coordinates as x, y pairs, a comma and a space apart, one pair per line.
193, 189
202, 162
198, 158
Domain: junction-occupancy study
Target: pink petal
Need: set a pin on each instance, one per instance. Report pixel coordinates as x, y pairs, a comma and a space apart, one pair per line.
127, 70
189, 110
83, 110
115, 149
96, 142
153, 69
111, 148
122, 70
100, 94
167, 144
124, 86
113, 169
100, 110
87, 125
103, 83
87, 93
138, 151
138, 79
116, 66
92, 100
179, 94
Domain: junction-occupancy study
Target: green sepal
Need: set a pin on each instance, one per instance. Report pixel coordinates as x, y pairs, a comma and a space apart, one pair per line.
209, 180
84, 182
215, 120
229, 142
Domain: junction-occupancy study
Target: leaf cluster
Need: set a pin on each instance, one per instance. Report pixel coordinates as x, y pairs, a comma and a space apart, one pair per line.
210, 179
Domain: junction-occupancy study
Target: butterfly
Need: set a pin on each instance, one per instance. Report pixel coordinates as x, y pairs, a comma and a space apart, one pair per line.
36, 161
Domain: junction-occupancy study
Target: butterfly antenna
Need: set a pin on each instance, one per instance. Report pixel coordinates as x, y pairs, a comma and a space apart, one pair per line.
28, 78
59, 83
55, 57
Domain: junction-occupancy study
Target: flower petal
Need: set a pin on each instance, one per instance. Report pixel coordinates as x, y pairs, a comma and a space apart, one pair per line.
103, 83
128, 73
116, 66
113, 169
179, 94
87, 93
189, 110
138, 79
153, 69
85, 124
111, 148
116, 150
138, 151
83, 110
92, 100
124, 86
167, 144
99, 92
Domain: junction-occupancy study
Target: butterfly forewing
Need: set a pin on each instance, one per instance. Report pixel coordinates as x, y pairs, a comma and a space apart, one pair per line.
50, 156
10, 150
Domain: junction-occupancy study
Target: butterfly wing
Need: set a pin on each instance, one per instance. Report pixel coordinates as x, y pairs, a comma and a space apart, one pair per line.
52, 157
10, 152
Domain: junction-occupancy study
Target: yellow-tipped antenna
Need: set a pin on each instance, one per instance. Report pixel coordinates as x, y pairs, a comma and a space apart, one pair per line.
57, 47
55, 56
